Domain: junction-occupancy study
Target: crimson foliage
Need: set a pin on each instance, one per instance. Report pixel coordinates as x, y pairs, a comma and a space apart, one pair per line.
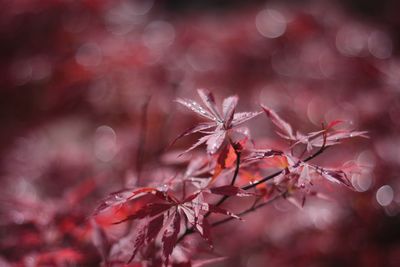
180, 206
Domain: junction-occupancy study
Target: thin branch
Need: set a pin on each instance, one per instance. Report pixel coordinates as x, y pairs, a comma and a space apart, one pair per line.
321, 149
253, 208
235, 174
252, 185
269, 177
263, 180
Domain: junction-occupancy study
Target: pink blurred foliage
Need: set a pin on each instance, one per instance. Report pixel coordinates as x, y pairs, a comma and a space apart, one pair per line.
88, 108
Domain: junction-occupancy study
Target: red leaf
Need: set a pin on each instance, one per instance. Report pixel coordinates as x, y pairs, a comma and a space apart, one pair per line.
194, 106
228, 109
285, 127
201, 141
139, 241
190, 198
242, 117
225, 160
151, 209
204, 228
154, 227
170, 237
208, 99
238, 138
122, 196
199, 127
336, 176
215, 141
317, 140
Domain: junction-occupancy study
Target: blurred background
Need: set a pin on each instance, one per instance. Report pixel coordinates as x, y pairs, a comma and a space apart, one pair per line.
86, 108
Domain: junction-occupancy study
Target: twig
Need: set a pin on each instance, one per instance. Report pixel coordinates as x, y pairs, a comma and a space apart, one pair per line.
269, 177
252, 185
235, 174
253, 208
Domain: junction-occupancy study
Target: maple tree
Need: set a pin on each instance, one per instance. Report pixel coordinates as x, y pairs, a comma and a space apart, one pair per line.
171, 211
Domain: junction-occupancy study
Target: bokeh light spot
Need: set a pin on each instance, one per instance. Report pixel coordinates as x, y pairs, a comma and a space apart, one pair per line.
270, 23
380, 45
385, 195
158, 35
105, 143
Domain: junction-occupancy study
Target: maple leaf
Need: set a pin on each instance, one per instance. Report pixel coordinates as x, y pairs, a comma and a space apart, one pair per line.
195, 212
305, 172
286, 129
326, 137
121, 197
165, 212
170, 236
336, 176
221, 122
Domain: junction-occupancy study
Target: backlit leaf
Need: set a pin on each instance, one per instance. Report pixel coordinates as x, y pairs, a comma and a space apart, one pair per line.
286, 129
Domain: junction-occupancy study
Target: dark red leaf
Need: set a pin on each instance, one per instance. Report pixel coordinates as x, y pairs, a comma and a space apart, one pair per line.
170, 237
151, 209
122, 196
191, 197
154, 227
204, 228
139, 241
285, 127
